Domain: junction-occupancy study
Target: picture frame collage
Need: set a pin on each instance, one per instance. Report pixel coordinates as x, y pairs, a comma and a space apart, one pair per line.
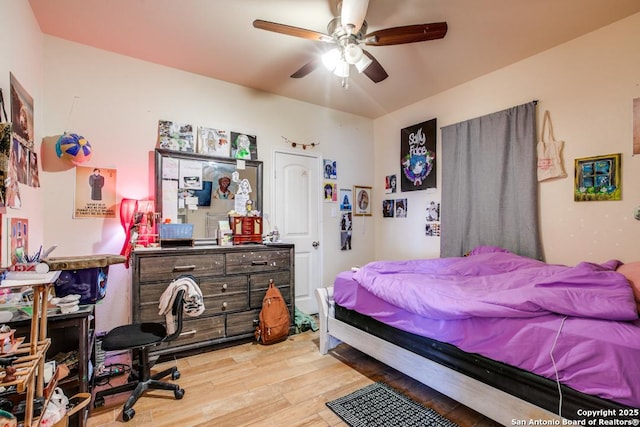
209, 141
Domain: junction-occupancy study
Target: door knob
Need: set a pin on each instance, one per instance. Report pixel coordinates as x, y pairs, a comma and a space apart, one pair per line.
315, 244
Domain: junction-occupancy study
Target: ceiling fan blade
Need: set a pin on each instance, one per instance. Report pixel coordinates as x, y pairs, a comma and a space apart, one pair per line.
292, 31
352, 12
306, 69
374, 71
407, 34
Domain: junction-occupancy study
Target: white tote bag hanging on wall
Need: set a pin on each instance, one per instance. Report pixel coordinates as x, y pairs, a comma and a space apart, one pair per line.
549, 153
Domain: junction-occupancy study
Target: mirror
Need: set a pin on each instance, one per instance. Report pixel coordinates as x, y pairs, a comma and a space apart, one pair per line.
199, 190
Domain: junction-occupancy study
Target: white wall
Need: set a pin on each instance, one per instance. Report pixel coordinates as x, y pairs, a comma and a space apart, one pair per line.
118, 102
21, 55
588, 85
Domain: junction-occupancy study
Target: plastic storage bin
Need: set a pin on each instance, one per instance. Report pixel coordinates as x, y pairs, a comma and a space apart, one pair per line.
176, 231
89, 283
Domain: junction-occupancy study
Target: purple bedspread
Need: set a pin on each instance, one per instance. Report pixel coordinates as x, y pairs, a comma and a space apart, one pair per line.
500, 284
593, 354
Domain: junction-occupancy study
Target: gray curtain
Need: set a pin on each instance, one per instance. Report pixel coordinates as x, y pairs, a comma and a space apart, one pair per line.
489, 183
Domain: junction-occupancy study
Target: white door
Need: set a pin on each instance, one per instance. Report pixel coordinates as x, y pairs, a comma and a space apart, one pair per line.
296, 212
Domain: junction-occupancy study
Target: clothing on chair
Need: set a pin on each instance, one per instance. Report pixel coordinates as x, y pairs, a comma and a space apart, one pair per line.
193, 300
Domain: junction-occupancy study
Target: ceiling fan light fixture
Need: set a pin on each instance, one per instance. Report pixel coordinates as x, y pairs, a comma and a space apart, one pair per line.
352, 53
363, 63
330, 59
342, 69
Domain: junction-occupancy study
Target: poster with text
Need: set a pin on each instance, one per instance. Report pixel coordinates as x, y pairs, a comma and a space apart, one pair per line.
95, 193
418, 156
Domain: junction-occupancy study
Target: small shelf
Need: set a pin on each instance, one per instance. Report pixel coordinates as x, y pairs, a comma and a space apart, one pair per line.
26, 364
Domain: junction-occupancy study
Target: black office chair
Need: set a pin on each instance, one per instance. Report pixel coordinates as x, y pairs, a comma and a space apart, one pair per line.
139, 338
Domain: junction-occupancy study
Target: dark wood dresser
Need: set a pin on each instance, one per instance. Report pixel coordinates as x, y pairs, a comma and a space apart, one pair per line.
233, 281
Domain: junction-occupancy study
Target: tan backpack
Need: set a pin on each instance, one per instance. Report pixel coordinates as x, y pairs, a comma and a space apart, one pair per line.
274, 317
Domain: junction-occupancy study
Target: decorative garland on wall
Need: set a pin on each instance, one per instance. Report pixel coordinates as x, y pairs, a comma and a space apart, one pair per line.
296, 144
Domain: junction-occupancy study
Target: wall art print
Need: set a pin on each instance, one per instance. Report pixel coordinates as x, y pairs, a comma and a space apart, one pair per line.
21, 113
330, 191
345, 200
598, 178
18, 239
388, 206
433, 211
213, 142
95, 193
330, 169
346, 231
390, 184
244, 146
363, 200
176, 136
418, 156
402, 206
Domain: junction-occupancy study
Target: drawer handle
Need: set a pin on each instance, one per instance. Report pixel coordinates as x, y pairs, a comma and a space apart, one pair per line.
258, 262
192, 332
184, 268
224, 305
224, 287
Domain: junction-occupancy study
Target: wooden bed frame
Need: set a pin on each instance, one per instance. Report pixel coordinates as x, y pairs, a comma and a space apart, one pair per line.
489, 401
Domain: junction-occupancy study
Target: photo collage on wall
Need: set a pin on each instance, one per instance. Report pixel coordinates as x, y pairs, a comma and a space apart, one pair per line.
342, 196
393, 207
331, 194
432, 227
18, 158
206, 140
329, 185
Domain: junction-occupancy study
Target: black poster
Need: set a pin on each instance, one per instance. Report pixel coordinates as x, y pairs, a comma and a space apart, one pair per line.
418, 156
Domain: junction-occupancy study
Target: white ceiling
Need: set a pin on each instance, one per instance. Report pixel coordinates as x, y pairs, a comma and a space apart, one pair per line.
216, 38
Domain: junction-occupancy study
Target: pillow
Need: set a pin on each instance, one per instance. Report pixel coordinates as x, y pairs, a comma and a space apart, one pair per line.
632, 272
486, 250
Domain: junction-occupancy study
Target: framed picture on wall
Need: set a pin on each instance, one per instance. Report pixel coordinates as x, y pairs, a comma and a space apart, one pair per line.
362, 201
598, 178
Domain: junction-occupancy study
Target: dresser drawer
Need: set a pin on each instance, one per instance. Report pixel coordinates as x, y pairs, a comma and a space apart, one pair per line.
212, 305
227, 302
171, 266
242, 323
196, 330
254, 261
211, 286
258, 284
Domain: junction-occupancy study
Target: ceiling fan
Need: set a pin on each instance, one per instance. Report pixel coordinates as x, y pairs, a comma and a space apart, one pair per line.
348, 32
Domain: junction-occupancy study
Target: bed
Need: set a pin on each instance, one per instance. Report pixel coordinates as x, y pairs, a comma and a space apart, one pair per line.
514, 338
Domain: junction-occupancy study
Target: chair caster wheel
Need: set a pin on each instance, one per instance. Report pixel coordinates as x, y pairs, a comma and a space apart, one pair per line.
175, 375
98, 402
128, 414
179, 393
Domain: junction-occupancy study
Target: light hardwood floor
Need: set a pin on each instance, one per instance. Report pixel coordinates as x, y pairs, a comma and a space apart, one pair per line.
286, 384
